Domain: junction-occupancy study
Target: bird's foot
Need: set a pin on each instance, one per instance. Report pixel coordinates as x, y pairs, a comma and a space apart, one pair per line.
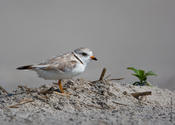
58, 92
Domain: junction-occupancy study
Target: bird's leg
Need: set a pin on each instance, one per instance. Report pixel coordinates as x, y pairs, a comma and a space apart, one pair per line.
61, 90
60, 86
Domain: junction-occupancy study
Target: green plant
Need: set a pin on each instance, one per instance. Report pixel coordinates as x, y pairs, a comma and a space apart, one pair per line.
142, 76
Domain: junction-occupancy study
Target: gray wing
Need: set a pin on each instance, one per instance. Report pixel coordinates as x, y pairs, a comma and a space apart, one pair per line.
60, 63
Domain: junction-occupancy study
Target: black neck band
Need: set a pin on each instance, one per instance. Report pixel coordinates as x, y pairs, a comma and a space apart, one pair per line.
77, 58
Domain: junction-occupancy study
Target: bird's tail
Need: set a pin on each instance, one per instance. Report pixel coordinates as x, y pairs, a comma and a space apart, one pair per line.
25, 67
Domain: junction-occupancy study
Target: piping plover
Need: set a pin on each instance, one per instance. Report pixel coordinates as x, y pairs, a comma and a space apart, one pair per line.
61, 67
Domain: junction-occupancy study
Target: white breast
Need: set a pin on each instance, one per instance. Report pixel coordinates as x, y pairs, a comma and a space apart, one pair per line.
79, 68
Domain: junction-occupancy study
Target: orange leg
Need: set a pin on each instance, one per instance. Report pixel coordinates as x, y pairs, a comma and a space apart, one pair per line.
60, 86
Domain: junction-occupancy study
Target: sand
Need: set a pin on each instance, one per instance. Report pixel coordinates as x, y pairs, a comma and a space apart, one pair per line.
87, 103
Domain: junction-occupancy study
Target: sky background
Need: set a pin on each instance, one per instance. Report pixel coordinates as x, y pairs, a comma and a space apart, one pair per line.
121, 33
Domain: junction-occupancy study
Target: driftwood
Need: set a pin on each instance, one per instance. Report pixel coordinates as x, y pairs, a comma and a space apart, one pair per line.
99, 107
138, 94
102, 77
102, 74
23, 101
118, 103
24, 87
171, 112
3, 90
115, 79
27, 89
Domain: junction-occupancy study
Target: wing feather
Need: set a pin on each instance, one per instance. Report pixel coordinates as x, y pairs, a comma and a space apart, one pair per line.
60, 63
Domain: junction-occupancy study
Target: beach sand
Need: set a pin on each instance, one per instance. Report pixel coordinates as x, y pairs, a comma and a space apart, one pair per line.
102, 102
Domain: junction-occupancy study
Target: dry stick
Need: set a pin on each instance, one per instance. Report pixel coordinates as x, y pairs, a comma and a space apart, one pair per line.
26, 89
115, 79
3, 90
21, 102
102, 74
171, 112
137, 94
99, 107
119, 103
23, 87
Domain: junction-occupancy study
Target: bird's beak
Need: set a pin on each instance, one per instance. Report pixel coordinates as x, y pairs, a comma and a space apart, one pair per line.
93, 58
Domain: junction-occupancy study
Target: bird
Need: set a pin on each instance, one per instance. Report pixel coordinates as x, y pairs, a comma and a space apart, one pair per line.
65, 66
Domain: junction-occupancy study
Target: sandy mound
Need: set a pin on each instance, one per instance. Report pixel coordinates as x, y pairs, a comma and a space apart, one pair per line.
88, 103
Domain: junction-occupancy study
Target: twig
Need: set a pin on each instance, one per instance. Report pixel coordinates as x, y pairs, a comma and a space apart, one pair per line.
42, 98
24, 101
171, 112
25, 88
115, 79
3, 90
102, 74
106, 78
138, 94
119, 103
100, 107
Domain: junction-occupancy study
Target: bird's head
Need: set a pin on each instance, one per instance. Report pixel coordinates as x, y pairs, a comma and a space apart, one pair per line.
85, 55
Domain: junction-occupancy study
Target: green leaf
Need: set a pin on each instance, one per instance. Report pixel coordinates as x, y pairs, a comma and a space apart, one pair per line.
150, 73
136, 75
139, 77
141, 74
133, 69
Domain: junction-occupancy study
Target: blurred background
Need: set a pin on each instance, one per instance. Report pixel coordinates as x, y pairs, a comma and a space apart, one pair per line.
121, 33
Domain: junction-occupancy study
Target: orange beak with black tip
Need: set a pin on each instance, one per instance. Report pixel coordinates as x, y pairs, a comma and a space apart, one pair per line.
93, 58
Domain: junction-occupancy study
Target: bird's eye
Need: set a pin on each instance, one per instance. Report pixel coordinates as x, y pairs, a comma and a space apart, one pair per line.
84, 54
